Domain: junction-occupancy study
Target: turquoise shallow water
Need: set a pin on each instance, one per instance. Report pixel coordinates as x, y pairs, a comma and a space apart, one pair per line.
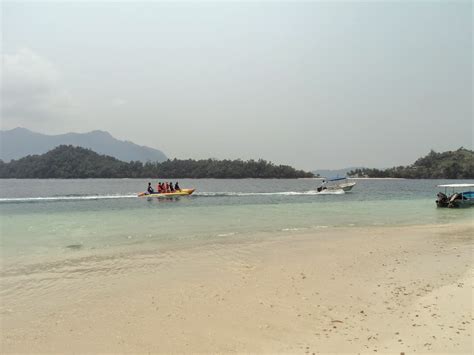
67, 217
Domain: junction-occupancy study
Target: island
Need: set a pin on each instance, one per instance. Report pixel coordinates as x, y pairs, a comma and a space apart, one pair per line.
71, 162
458, 164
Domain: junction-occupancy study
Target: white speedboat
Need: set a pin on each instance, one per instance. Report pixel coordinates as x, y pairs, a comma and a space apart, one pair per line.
337, 184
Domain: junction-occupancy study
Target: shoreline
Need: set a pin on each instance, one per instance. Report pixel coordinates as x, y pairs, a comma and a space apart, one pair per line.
355, 289
71, 254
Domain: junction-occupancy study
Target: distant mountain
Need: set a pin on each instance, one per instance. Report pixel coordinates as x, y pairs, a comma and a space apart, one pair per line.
20, 142
334, 173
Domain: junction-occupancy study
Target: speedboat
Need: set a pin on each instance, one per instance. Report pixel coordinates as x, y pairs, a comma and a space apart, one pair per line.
456, 198
182, 192
337, 184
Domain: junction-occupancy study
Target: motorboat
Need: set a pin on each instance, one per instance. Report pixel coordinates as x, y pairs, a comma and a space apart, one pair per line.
182, 192
336, 184
457, 197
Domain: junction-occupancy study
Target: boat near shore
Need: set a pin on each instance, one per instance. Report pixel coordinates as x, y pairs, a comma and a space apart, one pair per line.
457, 197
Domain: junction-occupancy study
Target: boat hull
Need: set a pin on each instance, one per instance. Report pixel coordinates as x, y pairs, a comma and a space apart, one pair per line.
182, 192
461, 203
455, 204
345, 187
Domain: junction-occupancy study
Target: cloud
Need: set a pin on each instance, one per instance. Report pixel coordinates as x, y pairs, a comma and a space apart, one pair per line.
32, 91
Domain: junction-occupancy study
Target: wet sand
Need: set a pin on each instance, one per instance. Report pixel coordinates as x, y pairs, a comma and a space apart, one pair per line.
379, 289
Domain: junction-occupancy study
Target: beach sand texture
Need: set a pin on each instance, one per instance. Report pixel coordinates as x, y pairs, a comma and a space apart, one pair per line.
377, 289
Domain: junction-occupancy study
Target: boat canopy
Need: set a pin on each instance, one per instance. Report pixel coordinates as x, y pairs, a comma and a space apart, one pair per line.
457, 185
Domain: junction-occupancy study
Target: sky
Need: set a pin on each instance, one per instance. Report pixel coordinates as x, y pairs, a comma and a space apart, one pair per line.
311, 84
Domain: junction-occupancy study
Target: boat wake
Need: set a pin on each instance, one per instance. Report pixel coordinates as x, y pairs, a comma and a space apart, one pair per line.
282, 193
201, 194
64, 198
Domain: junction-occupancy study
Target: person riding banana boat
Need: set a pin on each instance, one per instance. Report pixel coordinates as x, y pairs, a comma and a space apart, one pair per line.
165, 189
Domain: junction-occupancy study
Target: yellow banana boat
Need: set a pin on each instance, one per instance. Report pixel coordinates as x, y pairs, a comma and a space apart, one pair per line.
182, 192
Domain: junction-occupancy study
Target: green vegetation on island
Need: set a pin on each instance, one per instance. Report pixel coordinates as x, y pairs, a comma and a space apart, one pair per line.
458, 164
69, 162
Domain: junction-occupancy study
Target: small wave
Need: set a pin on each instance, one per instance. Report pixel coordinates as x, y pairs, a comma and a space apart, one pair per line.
226, 234
63, 198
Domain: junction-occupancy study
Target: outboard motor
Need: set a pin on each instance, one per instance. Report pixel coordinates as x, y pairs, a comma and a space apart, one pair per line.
453, 198
442, 200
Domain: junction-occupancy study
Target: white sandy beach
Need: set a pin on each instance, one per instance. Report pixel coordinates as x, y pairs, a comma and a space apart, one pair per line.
380, 289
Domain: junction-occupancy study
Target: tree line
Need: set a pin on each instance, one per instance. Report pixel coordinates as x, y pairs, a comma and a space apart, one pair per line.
458, 164
69, 162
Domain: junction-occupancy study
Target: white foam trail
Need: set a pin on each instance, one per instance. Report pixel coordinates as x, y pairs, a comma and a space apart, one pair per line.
332, 192
208, 194
282, 193
64, 198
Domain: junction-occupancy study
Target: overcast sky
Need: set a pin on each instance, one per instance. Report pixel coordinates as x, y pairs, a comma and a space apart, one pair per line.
310, 84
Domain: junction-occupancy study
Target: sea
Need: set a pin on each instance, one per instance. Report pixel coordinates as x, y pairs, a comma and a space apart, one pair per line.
57, 235
48, 219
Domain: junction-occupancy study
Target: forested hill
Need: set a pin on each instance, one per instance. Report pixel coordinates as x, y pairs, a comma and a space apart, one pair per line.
458, 164
68, 162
